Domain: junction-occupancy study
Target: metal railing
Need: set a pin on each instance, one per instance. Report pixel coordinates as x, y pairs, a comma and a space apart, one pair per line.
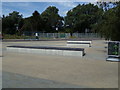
64, 35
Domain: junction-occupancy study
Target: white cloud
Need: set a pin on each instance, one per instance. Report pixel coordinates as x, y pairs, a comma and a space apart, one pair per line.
67, 4
63, 13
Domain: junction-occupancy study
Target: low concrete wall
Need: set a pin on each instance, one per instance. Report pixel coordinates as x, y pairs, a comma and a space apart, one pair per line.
79, 53
79, 43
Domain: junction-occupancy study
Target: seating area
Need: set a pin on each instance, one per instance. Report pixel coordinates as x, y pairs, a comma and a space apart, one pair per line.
65, 51
79, 43
70, 50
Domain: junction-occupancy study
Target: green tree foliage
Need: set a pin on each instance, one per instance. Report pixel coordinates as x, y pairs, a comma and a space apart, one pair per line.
110, 24
51, 19
83, 17
10, 23
0, 24
96, 18
45, 22
33, 23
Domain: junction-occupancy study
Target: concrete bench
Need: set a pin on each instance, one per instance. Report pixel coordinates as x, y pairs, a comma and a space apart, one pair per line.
79, 43
65, 51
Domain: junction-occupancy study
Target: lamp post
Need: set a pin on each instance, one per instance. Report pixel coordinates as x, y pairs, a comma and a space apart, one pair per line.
16, 26
57, 31
16, 29
36, 34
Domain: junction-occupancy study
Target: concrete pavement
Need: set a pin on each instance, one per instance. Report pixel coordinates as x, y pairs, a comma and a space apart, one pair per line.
50, 71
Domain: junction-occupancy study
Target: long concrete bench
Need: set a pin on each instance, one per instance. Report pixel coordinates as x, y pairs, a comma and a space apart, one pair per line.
48, 50
79, 43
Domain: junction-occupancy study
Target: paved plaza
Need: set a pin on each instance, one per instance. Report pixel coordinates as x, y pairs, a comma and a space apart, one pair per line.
25, 70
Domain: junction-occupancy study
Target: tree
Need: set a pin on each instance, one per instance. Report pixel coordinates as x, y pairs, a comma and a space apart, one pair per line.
33, 23
106, 5
0, 25
110, 24
36, 21
82, 17
51, 19
10, 23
